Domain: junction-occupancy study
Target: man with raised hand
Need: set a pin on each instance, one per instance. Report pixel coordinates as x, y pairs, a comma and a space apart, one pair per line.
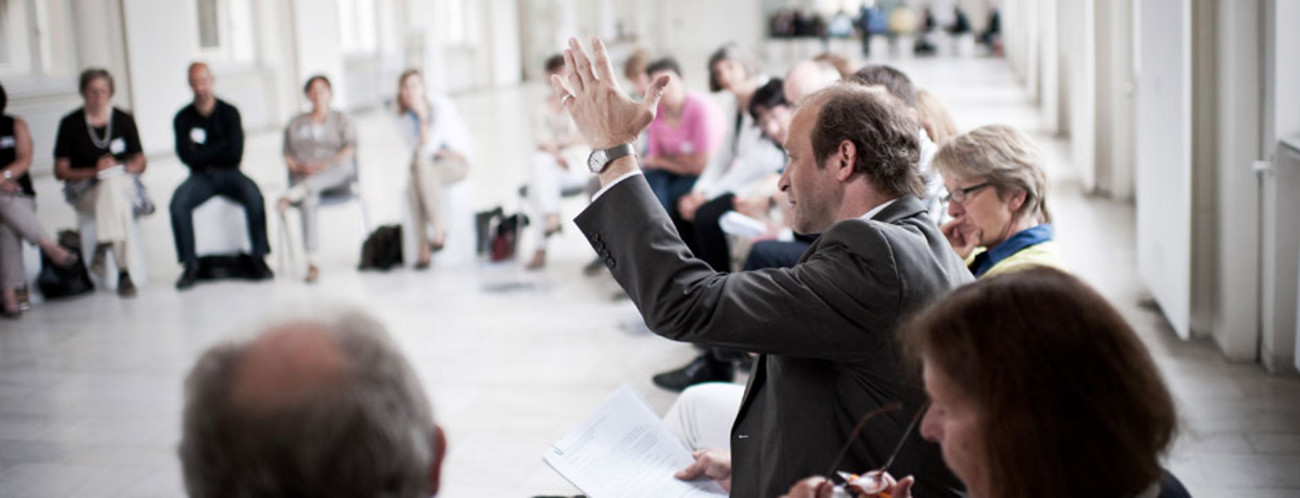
825, 327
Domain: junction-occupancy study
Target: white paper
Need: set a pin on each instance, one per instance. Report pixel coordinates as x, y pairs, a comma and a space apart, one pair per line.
624, 450
113, 171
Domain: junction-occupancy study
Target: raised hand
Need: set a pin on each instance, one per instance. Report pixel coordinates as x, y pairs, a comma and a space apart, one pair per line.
604, 114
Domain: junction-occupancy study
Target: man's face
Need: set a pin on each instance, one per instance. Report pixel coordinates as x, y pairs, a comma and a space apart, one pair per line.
813, 191
201, 83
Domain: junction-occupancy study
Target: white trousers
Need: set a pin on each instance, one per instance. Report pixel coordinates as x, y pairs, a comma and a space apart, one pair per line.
109, 201
546, 181
703, 415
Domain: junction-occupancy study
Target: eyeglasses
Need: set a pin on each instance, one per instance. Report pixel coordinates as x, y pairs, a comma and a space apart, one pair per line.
960, 195
871, 478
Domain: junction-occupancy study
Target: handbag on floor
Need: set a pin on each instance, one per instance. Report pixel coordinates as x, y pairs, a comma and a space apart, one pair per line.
506, 237
56, 282
382, 250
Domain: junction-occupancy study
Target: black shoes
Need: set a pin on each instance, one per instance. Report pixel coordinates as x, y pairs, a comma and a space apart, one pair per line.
704, 369
189, 276
260, 270
125, 287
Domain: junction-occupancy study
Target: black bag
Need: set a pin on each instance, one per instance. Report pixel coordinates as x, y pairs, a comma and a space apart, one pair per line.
382, 249
232, 266
55, 282
483, 221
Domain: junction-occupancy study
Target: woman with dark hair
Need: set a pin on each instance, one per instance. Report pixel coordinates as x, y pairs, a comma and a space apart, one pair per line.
1038, 387
18, 211
98, 156
319, 149
442, 149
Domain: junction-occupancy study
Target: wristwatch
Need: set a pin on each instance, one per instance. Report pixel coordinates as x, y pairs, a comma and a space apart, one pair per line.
600, 158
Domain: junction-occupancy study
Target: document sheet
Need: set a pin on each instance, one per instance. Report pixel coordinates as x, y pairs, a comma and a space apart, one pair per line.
624, 450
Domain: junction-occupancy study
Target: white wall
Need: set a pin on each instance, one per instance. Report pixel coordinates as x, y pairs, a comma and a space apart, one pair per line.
1164, 158
1236, 327
159, 52
1281, 238
316, 37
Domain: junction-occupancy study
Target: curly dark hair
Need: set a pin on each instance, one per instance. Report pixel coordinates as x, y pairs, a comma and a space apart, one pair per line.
880, 129
768, 96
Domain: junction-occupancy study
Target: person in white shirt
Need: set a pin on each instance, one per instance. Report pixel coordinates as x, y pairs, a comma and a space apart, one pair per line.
442, 151
558, 165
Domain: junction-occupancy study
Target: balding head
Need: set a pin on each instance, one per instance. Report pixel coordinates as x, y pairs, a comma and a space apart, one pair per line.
807, 77
200, 78
281, 414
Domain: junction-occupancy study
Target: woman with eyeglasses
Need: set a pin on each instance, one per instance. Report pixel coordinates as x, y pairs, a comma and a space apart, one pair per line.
998, 201
1038, 387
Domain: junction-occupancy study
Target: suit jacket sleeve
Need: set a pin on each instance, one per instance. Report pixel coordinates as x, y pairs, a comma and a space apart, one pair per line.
834, 305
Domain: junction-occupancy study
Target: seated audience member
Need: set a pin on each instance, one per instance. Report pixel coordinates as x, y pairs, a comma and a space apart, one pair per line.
210, 140
559, 164
900, 86
18, 220
681, 139
807, 77
998, 201
839, 62
744, 158
824, 327
310, 408
1038, 388
442, 150
98, 156
935, 117
319, 149
634, 69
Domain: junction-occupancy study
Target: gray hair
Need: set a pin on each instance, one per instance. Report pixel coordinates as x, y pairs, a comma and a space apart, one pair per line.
1003, 156
370, 434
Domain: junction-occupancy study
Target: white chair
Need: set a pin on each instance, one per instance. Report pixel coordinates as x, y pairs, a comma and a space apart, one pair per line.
289, 255
457, 200
220, 227
135, 259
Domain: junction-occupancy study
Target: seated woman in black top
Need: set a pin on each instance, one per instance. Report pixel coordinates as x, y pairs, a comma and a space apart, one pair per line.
97, 154
18, 211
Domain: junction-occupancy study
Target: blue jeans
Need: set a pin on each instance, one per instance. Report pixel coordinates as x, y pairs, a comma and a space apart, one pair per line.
204, 185
669, 187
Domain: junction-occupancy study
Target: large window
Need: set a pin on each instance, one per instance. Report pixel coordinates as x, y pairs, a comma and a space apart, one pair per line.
358, 30
34, 41
225, 31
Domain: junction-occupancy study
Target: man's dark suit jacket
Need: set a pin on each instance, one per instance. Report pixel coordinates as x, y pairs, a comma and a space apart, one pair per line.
825, 329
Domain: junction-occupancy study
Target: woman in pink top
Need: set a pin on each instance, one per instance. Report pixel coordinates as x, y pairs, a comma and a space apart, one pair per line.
679, 140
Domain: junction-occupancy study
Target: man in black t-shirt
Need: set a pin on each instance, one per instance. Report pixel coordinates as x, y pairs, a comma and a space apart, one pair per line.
210, 140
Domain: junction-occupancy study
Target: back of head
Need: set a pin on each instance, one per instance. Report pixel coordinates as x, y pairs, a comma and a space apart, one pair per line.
1068, 399
807, 77
935, 117
275, 417
894, 81
1003, 156
839, 62
555, 64
882, 132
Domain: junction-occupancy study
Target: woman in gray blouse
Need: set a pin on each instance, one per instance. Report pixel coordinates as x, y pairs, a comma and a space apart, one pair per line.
319, 148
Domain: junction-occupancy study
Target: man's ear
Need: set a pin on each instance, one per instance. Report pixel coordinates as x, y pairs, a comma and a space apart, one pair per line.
845, 158
439, 452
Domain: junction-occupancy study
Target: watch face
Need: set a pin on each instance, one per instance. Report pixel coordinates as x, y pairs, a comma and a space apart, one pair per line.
596, 161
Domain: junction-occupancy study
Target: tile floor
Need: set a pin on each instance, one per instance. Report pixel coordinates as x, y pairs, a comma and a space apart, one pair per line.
90, 389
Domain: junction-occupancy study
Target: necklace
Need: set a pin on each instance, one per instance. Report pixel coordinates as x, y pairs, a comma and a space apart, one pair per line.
101, 143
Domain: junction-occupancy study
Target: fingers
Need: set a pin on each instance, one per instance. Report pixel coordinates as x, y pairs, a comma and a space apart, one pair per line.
904, 488
582, 63
655, 93
604, 68
571, 72
694, 470
561, 87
